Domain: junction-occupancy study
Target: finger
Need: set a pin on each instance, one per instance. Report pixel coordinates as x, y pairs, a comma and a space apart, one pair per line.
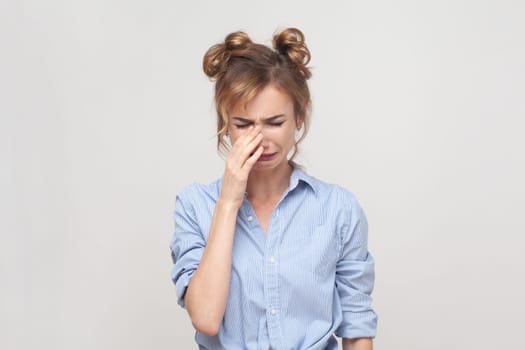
245, 149
252, 132
251, 147
244, 146
248, 165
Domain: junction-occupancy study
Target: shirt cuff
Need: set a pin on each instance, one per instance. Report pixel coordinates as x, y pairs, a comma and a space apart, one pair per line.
357, 325
181, 286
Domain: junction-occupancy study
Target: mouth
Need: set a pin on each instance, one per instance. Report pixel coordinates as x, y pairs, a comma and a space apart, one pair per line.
266, 157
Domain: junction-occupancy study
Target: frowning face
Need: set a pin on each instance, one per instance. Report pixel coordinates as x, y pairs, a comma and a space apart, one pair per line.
273, 111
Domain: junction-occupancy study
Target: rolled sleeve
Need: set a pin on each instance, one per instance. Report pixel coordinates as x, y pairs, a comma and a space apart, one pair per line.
187, 247
355, 278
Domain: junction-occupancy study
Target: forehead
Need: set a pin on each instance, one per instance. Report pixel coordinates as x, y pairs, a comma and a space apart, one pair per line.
269, 102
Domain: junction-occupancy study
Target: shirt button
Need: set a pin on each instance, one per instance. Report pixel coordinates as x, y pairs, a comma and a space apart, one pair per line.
273, 311
250, 218
272, 260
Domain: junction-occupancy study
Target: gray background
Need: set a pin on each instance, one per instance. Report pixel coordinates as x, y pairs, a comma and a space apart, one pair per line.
106, 114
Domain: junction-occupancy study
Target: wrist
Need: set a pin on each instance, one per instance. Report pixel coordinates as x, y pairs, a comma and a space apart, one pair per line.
228, 205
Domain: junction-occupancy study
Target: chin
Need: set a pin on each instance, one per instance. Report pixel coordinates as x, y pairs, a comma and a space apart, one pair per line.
270, 165
263, 166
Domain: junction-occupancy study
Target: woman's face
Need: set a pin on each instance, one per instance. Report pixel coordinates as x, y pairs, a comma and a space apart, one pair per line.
273, 110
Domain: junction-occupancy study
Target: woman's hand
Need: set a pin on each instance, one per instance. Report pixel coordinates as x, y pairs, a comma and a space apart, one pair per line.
245, 152
207, 293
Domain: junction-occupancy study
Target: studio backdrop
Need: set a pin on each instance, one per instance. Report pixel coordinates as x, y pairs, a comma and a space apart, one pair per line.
105, 114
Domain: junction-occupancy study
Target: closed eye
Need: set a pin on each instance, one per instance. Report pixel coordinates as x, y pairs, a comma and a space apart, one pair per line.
242, 126
276, 124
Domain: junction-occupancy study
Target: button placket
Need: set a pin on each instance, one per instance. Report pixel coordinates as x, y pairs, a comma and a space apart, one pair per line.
272, 279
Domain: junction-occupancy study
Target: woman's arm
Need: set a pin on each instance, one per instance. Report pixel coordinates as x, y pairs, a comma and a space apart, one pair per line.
357, 344
355, 278
208, 289
207, 293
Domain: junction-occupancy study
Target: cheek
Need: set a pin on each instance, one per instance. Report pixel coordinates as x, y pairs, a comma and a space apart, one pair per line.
286, 138
291, 142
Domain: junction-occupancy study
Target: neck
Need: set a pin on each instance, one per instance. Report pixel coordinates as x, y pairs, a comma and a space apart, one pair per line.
267, 185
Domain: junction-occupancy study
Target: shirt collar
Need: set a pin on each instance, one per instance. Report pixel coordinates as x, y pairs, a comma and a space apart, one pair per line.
298, 175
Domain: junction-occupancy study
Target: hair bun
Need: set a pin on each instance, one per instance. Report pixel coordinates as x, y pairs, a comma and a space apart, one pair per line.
290, 42
217, 57
237, 40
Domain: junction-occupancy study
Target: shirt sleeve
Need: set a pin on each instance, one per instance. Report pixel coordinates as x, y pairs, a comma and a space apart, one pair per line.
355, 277
187, 246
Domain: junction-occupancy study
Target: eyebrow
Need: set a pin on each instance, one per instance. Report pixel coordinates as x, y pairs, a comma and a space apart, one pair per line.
269, 119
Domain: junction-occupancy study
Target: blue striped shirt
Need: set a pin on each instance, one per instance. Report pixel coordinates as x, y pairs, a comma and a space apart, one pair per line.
309, 278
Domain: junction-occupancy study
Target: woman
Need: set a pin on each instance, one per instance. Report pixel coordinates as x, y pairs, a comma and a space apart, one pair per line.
268, 257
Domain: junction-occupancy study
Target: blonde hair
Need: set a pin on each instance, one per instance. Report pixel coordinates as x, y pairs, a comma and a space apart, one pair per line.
241, 69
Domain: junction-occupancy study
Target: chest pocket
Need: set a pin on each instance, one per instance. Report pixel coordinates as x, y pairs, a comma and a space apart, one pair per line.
313, 253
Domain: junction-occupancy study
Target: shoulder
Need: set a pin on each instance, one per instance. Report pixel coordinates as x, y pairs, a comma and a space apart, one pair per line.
343, 208
335, 193
338, 200
352, 223
196, 193
194, 206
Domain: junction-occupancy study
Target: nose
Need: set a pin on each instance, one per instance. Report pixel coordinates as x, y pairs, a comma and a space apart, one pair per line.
264, 141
